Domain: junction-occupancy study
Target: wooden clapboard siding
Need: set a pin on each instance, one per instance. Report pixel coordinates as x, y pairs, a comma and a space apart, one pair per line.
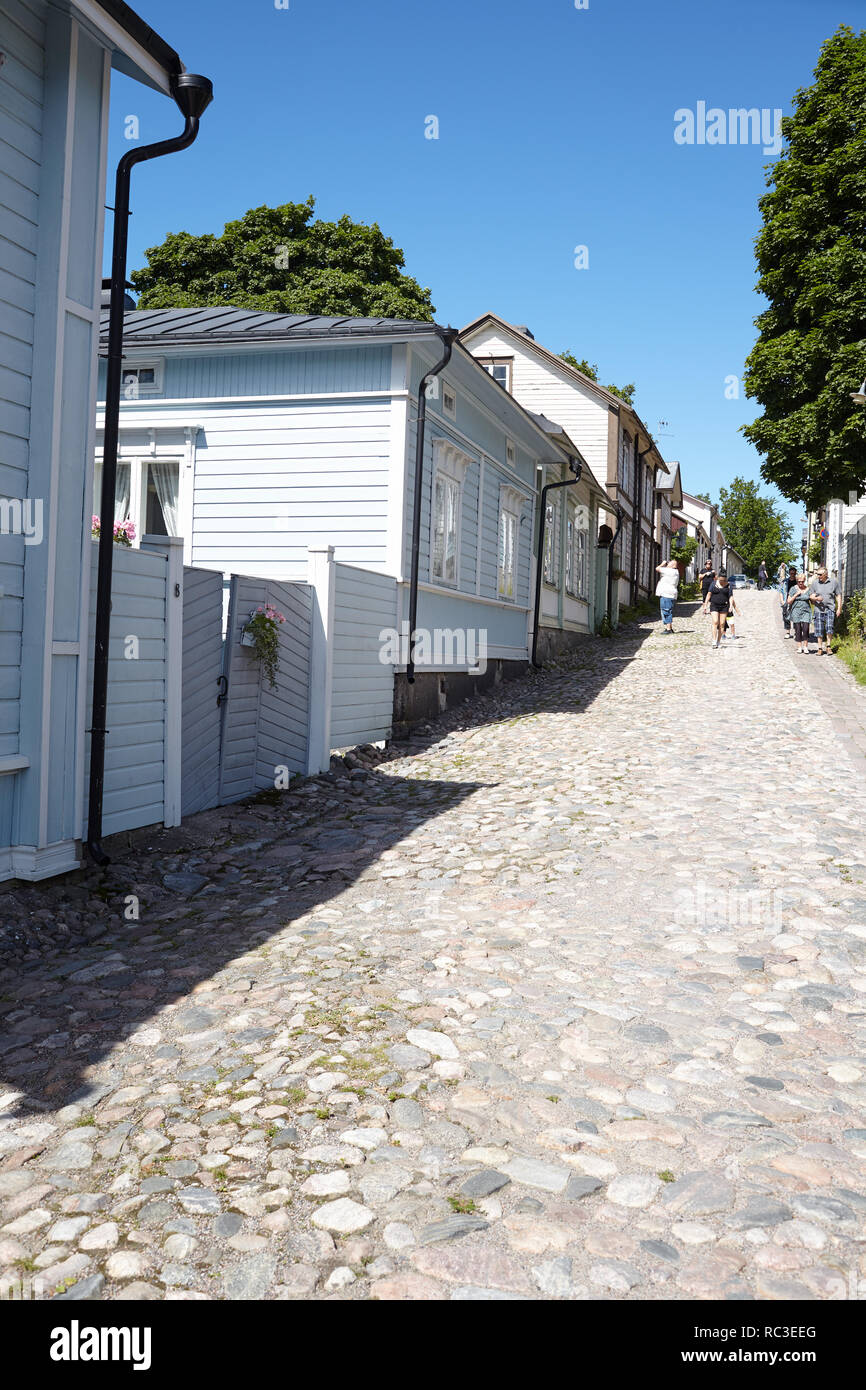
135, 744
202, 666
362, 702
21, 127
272, 482
542, 387
284, 713
295, 373
264, 729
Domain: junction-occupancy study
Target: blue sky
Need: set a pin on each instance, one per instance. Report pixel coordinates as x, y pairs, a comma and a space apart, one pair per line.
556, 130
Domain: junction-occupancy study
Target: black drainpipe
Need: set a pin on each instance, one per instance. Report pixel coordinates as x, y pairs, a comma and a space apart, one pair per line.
613, 540
193, 95
577, 469
447, 336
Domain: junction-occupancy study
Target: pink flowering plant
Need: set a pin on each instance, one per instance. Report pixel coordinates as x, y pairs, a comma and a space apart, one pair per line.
124, 531
264, 627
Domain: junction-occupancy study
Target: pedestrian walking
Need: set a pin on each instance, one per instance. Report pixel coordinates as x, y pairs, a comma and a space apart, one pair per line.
706, 577
782, 576
666, 591
762, 574
785, 587
800, 614
719, 601
827, 598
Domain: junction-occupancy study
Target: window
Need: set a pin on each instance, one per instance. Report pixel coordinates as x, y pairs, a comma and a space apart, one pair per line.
510, 506
507, 548
581, 563
510, 453
449, 401
625, 548
645, 563
145, 493
450, 466
549, 537
576, 558
500, 369
625, 463
140, 379
446, 513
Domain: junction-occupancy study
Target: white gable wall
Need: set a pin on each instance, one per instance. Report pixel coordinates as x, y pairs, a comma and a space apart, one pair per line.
541, 387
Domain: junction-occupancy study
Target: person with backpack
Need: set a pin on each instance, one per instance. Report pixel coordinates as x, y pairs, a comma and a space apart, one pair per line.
720, 601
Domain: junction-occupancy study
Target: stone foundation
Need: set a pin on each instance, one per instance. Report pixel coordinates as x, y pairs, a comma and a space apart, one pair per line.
435, 691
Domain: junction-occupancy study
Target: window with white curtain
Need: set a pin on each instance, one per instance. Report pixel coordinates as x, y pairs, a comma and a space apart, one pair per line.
507, 551
549, 542
581, 563
446, 525
146, 492
576, 557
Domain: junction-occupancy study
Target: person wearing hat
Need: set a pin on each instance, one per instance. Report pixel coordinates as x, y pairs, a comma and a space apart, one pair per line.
826, 597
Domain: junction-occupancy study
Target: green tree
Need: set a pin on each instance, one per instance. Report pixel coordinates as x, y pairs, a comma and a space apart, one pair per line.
683, 547
280, 261
625, 393
755, 526
811, 253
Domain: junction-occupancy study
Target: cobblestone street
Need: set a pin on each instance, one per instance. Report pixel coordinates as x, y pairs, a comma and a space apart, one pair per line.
564, 999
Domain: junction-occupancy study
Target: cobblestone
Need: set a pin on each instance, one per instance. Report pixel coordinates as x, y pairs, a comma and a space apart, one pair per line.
604, 1053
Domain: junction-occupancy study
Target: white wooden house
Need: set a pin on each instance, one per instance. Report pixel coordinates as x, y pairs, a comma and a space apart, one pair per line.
616, 444
255, 436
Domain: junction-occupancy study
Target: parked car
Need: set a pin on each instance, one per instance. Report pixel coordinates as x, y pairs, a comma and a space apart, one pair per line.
741, 581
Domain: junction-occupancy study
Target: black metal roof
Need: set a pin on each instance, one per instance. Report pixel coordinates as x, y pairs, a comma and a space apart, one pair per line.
232, 325
141, 31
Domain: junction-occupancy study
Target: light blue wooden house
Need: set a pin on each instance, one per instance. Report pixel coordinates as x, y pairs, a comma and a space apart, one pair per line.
54, 102
255, 436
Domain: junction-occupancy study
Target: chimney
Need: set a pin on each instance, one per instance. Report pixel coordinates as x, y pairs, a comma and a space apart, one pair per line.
521, 328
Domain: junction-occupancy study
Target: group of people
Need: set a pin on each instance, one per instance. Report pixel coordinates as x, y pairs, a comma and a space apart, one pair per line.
803, 604
716, 592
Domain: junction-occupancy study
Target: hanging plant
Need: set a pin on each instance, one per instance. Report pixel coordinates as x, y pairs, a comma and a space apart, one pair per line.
124, 531
262, 634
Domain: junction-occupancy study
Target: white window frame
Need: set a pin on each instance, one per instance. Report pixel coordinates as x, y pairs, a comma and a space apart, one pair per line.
154, 388
581, 562
448, 390
138, 464
507, 363
550, 523
452, 464
626, 445
510, 506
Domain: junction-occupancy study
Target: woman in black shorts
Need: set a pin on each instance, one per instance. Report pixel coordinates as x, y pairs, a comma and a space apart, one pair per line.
720, 601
